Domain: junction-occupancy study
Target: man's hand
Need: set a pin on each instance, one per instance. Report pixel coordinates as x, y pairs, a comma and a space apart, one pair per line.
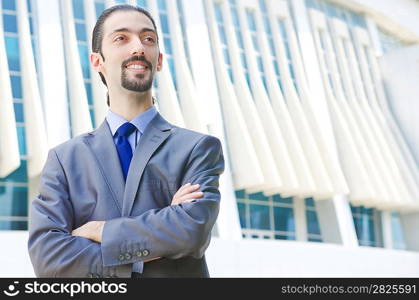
91, 230
186, 193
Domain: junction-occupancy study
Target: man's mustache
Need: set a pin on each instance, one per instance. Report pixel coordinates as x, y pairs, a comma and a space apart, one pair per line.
136, 58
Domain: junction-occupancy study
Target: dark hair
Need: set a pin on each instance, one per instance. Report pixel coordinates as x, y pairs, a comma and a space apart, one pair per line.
97, 35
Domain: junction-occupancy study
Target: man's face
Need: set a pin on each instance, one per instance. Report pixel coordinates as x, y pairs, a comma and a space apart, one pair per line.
130, 51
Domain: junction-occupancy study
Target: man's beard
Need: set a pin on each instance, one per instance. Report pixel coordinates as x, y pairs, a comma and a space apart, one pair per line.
139, 84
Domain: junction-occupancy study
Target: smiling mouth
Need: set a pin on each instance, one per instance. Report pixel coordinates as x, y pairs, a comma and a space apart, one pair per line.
137, 67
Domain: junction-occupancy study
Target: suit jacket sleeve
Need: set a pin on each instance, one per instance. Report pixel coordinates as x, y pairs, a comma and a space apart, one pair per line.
174, 231
54, 252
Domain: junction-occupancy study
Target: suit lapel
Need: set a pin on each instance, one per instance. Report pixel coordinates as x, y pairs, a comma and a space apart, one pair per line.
155, 134
103, 147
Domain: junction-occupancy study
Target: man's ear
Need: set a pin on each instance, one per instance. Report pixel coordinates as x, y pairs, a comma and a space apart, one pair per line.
96, 61
160, 62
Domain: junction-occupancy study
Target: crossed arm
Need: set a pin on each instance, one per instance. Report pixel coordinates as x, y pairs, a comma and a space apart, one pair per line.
181, 229
93, 230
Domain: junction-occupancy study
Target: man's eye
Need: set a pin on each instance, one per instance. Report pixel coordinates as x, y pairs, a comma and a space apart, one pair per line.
149, 39
119, 38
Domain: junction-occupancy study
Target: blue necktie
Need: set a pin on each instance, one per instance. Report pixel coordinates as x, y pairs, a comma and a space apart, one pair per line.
123, 147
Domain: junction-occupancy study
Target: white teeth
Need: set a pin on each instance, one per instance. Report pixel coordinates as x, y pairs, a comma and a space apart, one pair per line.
138, 67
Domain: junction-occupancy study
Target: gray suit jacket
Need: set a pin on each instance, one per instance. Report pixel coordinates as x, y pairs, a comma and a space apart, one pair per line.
82, 181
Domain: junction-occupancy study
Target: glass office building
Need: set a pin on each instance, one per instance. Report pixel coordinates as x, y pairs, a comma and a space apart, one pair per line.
312, 100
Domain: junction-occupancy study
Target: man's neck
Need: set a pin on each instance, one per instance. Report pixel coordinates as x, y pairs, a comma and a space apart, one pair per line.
131, 105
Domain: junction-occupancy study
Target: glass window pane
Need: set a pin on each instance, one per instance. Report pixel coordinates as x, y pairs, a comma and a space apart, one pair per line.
99, 7
142, 3
230, 74
265, 83
20, 175
14, 200
12, 48
239, 39
312, 222
242, 214
218, 12
81, 32
309, 202
251, 20
18, 107
240, 194
34, 50
226, 57
356, 209
288, 51
161, 4
78, 9
314, 239
243, 60
262, 5
31, 26
168, 45
371, 231
84, 59
16, 83
10, 23
282, 89
222, 34
21, 136
260, 64
171, 66
267, 26
357, 224
13, 225
282, 30
248, 80
285, 236
259, 217
29, 3
284, 219
235, 17
272, 47
276, 66
255, 42
277, 198
8, 4
88, 87
397, 232
164, 22
364, 230
92, 117
258, 196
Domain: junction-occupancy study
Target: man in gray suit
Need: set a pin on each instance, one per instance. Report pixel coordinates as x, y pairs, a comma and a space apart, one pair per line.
137, 197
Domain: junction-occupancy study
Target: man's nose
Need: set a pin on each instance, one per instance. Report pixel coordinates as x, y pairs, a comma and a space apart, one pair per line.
137, 48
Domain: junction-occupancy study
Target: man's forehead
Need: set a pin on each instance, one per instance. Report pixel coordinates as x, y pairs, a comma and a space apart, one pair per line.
130, 19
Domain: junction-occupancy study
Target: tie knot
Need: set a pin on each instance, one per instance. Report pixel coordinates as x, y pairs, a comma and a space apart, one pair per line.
126, 129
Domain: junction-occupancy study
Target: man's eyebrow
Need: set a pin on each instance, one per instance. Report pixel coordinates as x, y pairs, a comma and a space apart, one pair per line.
146, 29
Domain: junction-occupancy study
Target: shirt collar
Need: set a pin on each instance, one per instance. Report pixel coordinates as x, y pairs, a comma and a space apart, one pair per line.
140, 121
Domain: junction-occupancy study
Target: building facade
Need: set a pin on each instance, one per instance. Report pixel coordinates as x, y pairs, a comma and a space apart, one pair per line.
313, 100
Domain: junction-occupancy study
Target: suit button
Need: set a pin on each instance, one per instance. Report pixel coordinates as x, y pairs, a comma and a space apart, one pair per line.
127, 256
121, 257
146, 252
139, 253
